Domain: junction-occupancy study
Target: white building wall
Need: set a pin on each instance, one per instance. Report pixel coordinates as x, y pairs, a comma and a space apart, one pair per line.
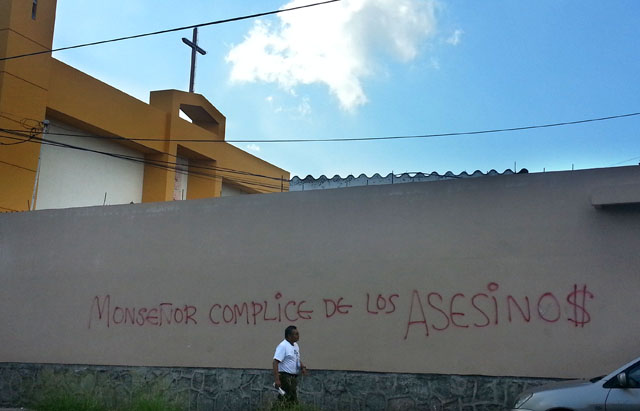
75, 178
181, 179
229, 190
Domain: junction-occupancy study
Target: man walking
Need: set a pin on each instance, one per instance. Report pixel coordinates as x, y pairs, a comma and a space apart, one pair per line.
287, 365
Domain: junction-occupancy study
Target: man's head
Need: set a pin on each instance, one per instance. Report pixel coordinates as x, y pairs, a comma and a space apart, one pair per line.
291, 334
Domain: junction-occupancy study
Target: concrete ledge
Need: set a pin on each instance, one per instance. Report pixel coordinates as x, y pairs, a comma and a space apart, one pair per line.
616, 195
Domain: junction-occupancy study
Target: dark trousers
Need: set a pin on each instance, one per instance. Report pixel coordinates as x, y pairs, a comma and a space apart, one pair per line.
289, 384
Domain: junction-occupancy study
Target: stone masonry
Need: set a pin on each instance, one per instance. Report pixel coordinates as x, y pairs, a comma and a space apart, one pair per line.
242, 389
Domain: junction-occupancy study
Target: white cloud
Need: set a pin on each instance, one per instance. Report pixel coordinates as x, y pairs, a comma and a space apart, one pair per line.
455, 38
332, 44
253, 147
304, 108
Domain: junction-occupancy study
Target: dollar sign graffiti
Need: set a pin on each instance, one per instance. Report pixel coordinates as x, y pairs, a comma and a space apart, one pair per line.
578, 299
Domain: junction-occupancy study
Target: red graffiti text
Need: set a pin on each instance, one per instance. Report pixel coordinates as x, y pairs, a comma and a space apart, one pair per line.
159, 315
251, 312
434, 311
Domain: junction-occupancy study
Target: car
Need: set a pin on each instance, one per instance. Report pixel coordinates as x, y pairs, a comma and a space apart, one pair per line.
618, 391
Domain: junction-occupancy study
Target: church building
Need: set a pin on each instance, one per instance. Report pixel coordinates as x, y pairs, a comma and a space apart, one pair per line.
70, 140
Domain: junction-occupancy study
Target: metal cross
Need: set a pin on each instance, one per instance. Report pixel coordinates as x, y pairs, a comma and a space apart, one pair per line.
194, 47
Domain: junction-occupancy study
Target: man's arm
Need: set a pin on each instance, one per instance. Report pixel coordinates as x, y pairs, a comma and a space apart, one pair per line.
276, 374
303, 368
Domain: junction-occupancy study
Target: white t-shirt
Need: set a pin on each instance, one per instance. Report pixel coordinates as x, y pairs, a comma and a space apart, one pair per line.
288, 356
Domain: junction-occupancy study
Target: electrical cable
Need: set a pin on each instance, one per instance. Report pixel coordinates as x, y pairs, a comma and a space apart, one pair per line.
73, 134
219, 169
23, 121
177, 169
625, 161
531, 127
154, 163
212, 168
15, 165
462, 133
210, 23
351, 139
30, 137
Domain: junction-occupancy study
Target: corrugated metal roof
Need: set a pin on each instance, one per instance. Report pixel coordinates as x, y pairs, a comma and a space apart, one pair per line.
323, 182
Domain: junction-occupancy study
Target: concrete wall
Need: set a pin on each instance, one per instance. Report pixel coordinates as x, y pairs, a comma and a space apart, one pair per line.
515, 275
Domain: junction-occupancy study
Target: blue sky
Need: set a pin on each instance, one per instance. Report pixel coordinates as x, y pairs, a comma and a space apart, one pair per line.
373, 68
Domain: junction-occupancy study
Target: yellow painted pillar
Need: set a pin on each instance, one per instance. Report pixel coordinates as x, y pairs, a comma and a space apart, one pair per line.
204, 181
159, 178
25, 28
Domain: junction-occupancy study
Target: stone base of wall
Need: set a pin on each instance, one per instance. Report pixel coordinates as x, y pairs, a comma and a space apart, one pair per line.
242, 389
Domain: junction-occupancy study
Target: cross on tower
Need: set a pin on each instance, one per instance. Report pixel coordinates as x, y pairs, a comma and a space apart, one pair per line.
194, 47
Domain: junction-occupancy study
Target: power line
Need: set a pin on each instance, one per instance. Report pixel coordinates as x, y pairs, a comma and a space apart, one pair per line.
20, 133
15, 165
175, 166
32, 134
210, 23
213, 168
23, 121
625, 161
117, 138
153, 163
350, 139
453, 134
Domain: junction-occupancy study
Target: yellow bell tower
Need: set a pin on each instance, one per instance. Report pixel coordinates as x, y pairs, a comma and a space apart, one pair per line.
26, 26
